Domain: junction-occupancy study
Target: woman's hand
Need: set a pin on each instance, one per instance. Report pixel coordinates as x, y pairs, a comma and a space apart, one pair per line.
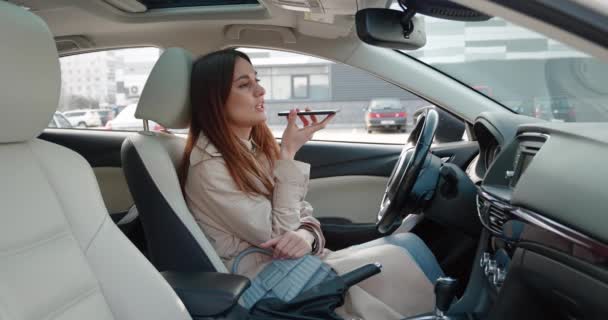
290, 245
294, 137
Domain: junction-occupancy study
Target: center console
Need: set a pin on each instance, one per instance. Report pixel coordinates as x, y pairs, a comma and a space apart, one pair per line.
536, 264
494, 205
209, 295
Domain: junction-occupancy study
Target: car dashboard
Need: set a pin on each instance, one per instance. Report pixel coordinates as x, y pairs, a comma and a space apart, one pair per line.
542, 202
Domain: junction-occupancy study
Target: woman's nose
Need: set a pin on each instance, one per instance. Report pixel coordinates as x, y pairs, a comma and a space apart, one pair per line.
260, 91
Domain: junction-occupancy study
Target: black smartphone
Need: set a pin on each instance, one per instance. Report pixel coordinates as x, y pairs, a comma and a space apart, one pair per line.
311, 112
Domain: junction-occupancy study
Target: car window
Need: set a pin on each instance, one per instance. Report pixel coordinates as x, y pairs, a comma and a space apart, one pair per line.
53, 123
62, 122
371, 109
127, 113
97, 86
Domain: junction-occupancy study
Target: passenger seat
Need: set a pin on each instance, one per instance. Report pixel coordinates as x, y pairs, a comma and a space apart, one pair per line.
61, 256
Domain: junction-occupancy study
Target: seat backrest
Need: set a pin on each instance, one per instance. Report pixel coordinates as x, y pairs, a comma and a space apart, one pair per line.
150, 161
61, 256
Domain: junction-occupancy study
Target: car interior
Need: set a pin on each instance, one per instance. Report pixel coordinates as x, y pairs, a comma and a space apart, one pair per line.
95, 225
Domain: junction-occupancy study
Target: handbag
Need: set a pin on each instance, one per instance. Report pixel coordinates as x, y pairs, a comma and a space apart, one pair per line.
283, 279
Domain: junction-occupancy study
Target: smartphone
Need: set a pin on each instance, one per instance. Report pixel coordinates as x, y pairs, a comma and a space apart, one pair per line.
311, 112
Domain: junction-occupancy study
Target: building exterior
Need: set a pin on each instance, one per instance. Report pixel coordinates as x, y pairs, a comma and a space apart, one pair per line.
132, 72
105, 78
90, 77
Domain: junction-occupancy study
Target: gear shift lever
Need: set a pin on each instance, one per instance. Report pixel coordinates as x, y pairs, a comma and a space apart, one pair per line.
445, 291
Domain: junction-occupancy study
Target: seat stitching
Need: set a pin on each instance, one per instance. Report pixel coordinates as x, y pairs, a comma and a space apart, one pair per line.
5, 312
67, 221
60, 201
50, 183
86, 253
72, 302
35, 244
103, 222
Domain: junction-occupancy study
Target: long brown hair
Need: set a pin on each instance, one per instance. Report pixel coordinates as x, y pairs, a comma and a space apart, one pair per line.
210, 85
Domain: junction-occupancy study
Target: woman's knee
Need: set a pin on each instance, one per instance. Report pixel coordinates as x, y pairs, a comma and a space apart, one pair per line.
408, 241
419, 251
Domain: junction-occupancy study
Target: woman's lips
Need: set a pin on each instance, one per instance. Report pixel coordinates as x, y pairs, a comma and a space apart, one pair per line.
260, 107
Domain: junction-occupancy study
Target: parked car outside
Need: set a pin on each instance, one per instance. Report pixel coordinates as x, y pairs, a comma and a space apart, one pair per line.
105, 115
533, 108
59, 121
556, 109
562, 108
126, 121
83, 118
385, 113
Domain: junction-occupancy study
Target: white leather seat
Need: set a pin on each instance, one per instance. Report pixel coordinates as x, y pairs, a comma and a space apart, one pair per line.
61, 256
150, 161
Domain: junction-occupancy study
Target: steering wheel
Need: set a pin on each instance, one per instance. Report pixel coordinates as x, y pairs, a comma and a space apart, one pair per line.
400, 197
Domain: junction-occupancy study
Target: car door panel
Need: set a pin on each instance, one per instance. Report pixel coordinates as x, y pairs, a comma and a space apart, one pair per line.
114, 189
331, 159
348, 179
339, 197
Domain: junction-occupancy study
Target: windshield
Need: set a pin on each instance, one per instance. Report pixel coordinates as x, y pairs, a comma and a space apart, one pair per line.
523, 70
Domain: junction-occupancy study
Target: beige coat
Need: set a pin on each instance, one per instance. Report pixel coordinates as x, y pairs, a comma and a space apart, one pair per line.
234, 221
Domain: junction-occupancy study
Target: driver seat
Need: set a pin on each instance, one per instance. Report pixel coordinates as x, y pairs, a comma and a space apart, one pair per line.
61, 256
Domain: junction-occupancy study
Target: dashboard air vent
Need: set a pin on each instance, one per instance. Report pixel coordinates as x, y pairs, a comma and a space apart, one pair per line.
495, 215
497, 218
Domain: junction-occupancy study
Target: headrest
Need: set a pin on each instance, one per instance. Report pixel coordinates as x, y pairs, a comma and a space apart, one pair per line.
30, 78
166, 95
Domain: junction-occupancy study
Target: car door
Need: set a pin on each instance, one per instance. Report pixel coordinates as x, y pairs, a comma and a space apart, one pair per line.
348, 179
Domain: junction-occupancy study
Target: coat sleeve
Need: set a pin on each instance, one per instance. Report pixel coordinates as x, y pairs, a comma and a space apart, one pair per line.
310, 223
255, 219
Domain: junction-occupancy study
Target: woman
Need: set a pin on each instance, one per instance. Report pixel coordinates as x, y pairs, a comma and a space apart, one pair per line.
245, 190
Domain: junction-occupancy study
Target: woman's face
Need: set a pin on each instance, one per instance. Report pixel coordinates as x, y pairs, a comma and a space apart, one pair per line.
245, 103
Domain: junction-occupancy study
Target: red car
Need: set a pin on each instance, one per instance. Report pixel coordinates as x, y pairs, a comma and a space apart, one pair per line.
385, 114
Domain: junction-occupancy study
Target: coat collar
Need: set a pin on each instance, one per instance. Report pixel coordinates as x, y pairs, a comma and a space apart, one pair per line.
204, 149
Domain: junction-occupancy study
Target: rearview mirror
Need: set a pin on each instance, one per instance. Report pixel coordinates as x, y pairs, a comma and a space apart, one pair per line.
384, 28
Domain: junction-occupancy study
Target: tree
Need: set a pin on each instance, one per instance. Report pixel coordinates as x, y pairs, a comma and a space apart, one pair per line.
81, 102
